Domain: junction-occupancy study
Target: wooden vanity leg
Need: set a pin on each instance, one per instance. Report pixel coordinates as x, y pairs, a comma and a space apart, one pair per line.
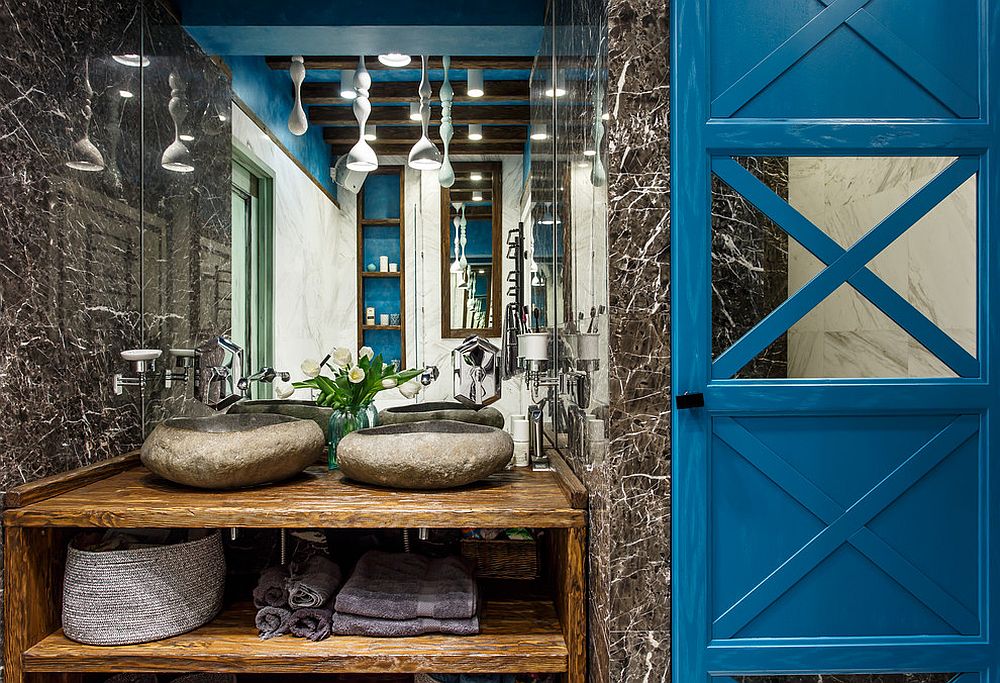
569, 557
32, 593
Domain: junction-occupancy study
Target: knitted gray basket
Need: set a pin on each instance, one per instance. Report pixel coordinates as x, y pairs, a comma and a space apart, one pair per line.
121, 597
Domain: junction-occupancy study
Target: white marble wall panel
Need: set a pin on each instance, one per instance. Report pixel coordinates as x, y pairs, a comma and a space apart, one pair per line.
932, 265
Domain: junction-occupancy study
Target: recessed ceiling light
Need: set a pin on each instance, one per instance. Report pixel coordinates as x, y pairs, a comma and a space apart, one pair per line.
476, 175
539, 131
370, 134
347, 84
394, 59
414, 111
477, 196
475, 131
475, 83
186, 137
481, 271
126, 94
589, 153
132, 60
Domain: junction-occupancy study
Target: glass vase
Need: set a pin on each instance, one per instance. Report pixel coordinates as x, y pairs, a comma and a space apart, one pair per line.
343, 421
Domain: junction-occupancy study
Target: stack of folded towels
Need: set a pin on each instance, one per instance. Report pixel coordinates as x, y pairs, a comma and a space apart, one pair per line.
402, 594
389, 595
297, 601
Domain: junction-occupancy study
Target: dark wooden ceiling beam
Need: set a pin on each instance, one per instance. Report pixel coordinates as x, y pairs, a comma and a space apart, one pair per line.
348, 62
403, 134
405, 92
398, 148
326, 115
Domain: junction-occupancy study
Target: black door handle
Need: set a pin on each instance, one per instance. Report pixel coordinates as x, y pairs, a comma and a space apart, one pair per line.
687, 401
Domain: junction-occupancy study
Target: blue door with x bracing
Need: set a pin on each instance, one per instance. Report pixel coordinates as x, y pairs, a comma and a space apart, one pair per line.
834, 197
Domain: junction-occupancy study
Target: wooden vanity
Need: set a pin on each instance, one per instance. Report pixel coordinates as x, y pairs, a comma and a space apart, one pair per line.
529, 634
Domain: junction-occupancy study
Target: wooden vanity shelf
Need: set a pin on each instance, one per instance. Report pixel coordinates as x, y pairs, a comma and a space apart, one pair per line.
518, 633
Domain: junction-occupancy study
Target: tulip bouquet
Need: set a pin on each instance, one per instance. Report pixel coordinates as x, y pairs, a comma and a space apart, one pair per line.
350, 390
353, 386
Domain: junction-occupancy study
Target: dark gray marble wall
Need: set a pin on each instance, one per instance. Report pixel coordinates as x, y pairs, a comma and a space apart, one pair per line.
106, 255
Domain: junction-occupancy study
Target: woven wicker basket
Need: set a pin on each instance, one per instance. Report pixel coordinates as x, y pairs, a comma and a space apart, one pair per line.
502, 559
121, 597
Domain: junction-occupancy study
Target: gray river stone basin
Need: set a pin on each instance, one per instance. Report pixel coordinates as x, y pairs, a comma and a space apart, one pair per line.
305, 410
434, 454
232, 451
441, 410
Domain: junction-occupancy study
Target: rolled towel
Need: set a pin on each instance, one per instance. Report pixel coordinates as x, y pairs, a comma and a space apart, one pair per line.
272, 588
408, 586
311, 622
273, 621
354, 625
315, 585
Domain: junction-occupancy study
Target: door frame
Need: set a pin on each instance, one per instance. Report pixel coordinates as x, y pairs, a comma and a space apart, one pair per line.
261, 344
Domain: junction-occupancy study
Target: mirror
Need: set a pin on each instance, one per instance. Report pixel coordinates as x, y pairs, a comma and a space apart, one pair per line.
471, 266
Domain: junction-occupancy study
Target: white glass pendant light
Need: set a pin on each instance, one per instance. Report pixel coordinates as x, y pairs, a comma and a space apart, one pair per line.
371, 134
539, 131
456, 221
556, 87
362, 157
446, 174
476, 131
83, 154
475, 83
298, 124
131, 60
424, 156
177, 157
462, 226
394, 59
347, 84
414, 111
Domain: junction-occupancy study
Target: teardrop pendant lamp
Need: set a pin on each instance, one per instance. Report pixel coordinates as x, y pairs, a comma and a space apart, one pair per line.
456, 267
424, 156
362, 157
84, 155
446, 174
177, 157
298, 124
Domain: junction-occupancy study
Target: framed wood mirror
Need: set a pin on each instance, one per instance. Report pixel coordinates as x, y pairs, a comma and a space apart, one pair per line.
471, 258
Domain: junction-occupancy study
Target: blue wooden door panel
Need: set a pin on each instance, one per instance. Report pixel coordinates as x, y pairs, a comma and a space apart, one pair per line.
833, 525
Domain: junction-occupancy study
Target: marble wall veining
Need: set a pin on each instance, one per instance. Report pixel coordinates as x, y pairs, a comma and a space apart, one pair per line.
104, 256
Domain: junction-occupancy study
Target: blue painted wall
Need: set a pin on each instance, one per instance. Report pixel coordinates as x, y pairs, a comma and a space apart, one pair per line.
269, 94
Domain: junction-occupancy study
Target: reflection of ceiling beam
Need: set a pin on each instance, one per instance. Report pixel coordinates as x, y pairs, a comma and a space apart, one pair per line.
323, 63
496, 91
491, 134
403, 148
466, 195
400, 116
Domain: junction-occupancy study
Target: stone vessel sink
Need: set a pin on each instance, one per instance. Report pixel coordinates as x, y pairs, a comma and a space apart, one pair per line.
305, 410
434, 454
232, 451
441, 410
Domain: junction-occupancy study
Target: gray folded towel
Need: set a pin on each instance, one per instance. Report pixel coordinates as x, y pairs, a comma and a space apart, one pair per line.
273, 621
315, 584
272, 588
311, 622
354, 625
408, 586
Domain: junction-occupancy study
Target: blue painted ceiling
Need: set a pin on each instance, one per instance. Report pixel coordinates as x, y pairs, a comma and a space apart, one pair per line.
270, 27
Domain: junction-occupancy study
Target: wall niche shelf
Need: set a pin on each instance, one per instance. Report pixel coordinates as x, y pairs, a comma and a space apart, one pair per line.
541, 629
381, 232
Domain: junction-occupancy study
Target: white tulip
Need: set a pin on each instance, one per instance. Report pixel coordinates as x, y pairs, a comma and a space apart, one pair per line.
410, 389
310, 368
388, 383
342, 357
282, 389
366, 352
356, 375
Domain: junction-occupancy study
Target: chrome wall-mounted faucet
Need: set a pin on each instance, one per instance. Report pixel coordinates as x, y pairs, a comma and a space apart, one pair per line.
220, 365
